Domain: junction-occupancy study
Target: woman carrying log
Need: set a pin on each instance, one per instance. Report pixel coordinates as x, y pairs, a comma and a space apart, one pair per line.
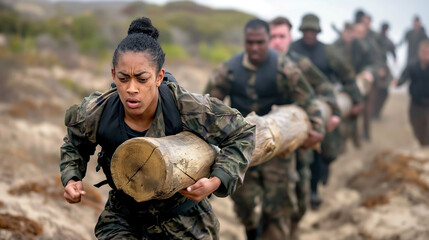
143, 105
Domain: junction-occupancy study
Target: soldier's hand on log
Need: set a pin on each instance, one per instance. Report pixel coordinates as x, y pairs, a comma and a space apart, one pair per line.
201, 189
73, 191
356, 109
313, 138
332, 123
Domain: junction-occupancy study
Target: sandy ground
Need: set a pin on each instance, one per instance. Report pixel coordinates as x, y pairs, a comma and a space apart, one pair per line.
31, 204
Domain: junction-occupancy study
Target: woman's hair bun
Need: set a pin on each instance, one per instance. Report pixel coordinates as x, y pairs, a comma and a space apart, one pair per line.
143, 25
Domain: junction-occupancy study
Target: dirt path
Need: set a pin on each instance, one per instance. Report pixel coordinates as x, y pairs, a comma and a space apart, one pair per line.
31, 134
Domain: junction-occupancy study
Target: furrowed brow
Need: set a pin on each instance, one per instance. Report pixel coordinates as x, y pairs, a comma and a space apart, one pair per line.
139, 74
124, 74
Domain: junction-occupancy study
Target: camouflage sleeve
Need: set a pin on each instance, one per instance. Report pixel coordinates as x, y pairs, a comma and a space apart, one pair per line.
218, 85
76, 150
79, 143
345, 74
321, 85
222, 126
292, 82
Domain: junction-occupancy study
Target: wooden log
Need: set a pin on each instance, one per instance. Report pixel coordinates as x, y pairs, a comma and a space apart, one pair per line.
156, 168
344, 103
279, 132
364, 84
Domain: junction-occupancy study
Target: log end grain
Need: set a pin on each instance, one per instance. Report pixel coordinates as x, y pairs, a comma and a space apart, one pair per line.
138, 169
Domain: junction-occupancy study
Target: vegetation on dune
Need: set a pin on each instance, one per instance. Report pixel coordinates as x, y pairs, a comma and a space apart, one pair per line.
187, 29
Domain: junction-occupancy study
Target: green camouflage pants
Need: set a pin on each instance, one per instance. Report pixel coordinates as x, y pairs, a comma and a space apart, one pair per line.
331, 145
265, 203
349, 130
123, 220
304, 157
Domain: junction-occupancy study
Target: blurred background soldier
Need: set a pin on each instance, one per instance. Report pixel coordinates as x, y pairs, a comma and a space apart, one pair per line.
327, 60
382, 93
379, 69
387, 44
356, 53
418, 73
255, 80
280, 40
413, 37
359, 15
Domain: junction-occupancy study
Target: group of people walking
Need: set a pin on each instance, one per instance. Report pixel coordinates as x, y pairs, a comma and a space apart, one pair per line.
269, 199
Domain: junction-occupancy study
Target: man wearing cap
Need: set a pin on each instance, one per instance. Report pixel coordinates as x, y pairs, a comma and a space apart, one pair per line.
339, 73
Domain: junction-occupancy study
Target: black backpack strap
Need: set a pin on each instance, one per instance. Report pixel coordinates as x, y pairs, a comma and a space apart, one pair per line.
103, 162
168, 77
172, 118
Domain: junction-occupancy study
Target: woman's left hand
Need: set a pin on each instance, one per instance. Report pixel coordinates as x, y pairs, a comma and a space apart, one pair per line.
201, 189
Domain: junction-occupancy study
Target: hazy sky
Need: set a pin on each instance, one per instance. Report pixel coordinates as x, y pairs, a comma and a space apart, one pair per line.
399, 13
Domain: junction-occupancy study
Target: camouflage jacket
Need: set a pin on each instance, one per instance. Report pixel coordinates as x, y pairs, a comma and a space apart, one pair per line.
378, 55
344, 73
374, 44
356, 54
207, 117
290, 81
321, 85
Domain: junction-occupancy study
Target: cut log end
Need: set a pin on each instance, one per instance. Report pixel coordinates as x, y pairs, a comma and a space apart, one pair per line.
138, 178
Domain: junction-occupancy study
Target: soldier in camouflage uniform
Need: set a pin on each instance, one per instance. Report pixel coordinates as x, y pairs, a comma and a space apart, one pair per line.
280, 39
413, 37
255, 80
379, 70
356, 53
142, 105
330, 64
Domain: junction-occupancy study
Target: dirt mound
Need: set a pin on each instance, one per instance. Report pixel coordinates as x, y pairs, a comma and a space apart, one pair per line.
389, 176
20, 227
387, 200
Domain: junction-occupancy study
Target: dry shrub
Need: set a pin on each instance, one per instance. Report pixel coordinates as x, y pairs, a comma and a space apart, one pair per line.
375, 201
396, 168
17, 154
53, 189
51, 109
365, 236
386, 178
22, 108
7, 66
29, 228
26, 108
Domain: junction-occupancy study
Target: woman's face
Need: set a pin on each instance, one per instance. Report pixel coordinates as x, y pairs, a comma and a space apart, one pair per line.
137, 81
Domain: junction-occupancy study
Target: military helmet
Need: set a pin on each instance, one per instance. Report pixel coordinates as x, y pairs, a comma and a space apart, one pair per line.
310, 22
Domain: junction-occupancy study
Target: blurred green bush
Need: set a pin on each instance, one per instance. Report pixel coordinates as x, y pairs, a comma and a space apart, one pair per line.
187, 30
